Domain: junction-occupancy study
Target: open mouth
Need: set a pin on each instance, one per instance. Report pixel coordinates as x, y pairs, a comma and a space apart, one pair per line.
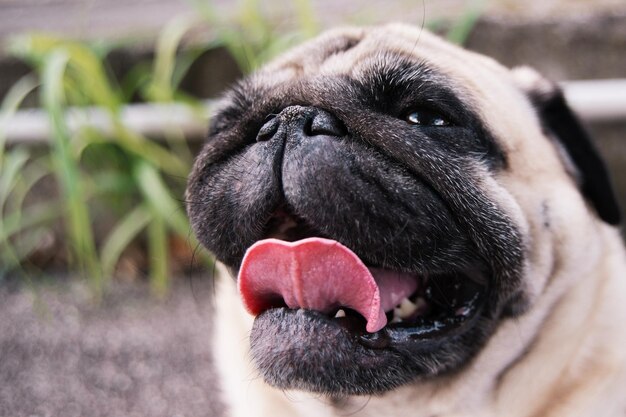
379, 307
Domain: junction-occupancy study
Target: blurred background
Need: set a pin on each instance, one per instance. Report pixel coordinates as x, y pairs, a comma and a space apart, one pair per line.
105, 296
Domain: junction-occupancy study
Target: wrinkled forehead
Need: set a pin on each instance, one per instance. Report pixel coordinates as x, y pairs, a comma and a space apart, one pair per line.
348, 51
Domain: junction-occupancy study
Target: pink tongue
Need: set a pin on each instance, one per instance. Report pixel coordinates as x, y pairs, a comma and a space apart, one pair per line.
318, 274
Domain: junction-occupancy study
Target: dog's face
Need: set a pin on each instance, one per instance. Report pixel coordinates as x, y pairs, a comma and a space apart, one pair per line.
400, 168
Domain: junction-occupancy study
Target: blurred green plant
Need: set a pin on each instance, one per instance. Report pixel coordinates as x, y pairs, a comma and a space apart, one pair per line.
251, 36
459, 30
21, 226
140, 180
136, 182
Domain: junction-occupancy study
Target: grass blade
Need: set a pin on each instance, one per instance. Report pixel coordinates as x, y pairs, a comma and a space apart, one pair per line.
125, 231
158, 254
306, 18
83, 65
461, 29
161, 87
12, 101
13, 164
159, 199
30, 217
79, 227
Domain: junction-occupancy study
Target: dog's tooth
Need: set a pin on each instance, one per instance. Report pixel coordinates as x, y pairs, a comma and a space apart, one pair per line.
405, 309
406, 303
340, 313
396, 318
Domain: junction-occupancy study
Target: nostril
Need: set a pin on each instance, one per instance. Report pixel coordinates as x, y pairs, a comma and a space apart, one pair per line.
324, 123
308, 127
269, 128
300, 120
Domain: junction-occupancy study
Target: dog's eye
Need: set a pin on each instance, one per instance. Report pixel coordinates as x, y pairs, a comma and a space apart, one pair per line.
424, 117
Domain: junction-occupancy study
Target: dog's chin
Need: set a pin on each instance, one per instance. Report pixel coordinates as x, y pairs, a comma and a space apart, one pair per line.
306, 350
433, 331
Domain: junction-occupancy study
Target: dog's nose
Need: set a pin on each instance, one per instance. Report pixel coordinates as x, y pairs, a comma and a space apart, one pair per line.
310, 121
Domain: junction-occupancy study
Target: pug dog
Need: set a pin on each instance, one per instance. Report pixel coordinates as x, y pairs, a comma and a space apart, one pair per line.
410, 229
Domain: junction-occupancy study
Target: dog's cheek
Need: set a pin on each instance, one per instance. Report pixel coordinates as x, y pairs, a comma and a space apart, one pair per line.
230, 202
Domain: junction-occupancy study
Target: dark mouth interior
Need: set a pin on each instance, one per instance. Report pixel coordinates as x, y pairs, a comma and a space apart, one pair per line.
285, 225
443, 304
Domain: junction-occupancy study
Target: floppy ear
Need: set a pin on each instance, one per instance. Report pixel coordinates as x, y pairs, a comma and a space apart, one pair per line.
563, 125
